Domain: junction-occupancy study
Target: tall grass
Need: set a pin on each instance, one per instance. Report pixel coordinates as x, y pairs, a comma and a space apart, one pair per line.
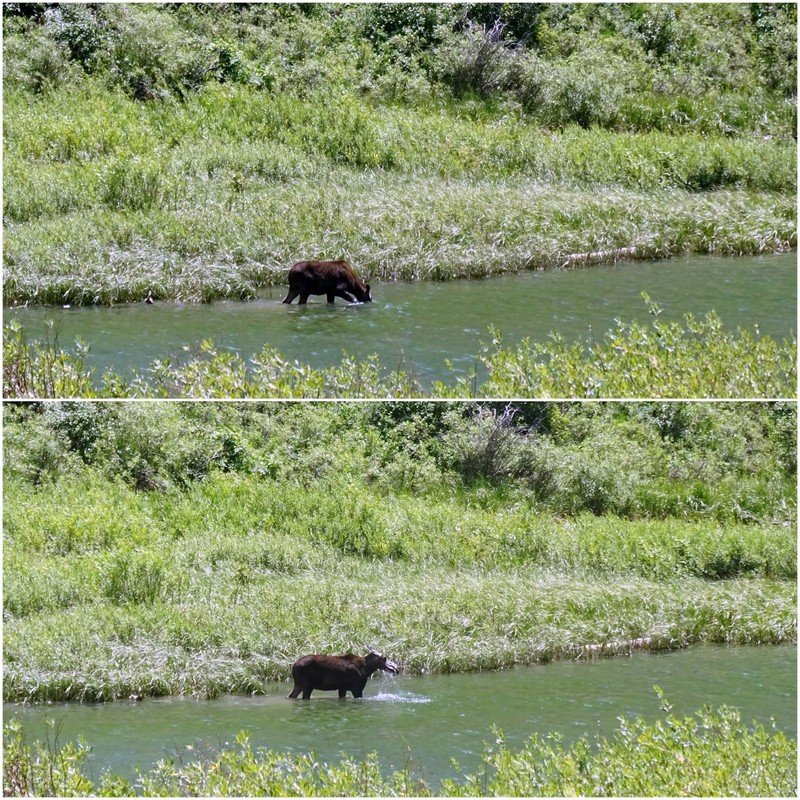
228, 237
43, 368
231, 629
697, 358
197, 548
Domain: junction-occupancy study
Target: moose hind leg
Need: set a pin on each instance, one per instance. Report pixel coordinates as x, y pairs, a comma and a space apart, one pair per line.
296, 691
342, 693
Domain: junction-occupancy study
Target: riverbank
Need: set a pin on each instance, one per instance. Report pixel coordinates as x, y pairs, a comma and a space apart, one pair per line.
389, 226
232, 630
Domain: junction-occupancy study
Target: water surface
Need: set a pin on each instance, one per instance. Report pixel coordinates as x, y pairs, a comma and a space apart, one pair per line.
423, 722
421, 326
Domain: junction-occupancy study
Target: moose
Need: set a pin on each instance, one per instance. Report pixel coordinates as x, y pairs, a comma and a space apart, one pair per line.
331, 278
347, 673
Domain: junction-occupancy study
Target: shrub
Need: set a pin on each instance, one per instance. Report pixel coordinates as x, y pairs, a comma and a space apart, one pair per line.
33, 61
77, 27
475, 61
486, 447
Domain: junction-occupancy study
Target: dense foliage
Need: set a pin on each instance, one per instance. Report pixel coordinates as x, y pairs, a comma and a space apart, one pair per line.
671, 757
187, 548
728, 69
172, 148
714, 448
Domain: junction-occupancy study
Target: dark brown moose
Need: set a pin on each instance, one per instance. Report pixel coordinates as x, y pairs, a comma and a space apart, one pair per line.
347, 673
331, 278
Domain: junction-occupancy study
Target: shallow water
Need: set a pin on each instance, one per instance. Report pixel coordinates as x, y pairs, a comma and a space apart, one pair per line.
423, 325
423, 722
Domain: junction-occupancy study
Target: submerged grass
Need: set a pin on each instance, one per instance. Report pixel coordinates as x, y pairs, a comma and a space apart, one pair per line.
668, 757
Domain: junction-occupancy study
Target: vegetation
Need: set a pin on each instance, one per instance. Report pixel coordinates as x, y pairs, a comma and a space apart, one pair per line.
196, 548
671, 360
670, 757
187, 548
174, 148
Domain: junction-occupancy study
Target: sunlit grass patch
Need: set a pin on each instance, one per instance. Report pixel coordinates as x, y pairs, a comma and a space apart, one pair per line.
229, 243
225, 628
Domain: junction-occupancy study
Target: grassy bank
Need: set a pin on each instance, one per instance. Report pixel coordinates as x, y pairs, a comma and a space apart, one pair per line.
668, 757
166, 549
692, 359
196, 153
389, 227
243, 625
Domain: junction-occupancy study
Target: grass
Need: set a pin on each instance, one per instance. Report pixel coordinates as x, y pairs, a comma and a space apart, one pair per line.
696, 358
216, 243
234, 629
670, 756
187, 549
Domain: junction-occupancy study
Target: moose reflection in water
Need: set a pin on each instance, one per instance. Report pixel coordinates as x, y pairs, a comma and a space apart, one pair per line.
347, 673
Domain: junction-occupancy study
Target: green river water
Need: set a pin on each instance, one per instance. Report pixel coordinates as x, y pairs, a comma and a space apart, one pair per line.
423, 721
421, 326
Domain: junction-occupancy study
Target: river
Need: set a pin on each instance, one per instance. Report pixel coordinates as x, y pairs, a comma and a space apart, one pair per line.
423, 721
422, 326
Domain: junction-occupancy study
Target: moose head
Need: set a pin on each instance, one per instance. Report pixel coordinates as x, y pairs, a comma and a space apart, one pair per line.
381, 662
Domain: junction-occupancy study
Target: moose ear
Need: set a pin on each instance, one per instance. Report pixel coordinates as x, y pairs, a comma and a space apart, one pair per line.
373, 650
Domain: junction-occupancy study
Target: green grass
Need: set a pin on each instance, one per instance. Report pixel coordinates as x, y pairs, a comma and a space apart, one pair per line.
712, 753
225, 628
194, 225
197, 549
696, 358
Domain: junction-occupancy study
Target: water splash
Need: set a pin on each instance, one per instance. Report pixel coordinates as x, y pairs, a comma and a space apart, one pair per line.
405, 697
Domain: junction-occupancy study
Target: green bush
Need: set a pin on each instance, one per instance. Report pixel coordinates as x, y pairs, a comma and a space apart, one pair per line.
671, 756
